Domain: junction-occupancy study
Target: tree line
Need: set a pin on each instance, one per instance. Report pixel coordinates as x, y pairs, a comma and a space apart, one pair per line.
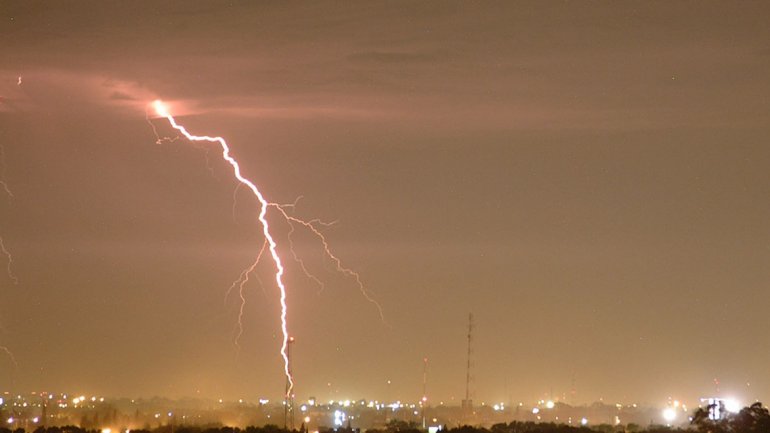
751, 419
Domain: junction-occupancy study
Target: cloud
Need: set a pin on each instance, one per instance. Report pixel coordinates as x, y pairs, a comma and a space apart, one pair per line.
450, 71
399, 57
120, 96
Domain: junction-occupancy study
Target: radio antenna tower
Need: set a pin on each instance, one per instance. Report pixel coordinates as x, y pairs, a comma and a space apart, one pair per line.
467, 404
424, 400
288, 404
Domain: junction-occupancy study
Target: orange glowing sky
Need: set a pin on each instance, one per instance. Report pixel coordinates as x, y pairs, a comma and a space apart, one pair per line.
590, 180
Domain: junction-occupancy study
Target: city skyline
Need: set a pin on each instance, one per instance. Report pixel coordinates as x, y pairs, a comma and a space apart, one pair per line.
591, 181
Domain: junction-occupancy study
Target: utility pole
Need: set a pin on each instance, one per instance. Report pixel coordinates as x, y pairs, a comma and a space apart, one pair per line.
288, 403
467, 403
424, 400
44, 410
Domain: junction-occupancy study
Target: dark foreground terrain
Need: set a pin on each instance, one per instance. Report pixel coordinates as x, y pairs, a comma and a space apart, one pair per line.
752, 419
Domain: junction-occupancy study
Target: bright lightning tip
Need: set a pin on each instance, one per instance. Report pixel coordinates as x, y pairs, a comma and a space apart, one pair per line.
160, 108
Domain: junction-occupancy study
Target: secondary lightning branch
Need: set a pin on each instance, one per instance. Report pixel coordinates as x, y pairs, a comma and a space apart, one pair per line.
7, 190
269, 244
3, 249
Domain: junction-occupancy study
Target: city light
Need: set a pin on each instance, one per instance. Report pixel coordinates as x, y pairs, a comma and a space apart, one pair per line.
669, 414
732, 405
339, 417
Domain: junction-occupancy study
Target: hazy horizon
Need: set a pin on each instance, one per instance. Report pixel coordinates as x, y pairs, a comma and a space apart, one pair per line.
590, 180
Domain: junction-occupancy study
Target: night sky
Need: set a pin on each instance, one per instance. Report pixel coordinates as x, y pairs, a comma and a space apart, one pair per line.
590, 179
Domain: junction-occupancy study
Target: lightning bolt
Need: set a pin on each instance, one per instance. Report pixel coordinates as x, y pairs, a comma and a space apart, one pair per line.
272, 246
269, 244
3, 249
302, 262
3, 167
10, 356
235, 200
311, 225
240, 283
9, 266
7, 351
297, 259
7, 190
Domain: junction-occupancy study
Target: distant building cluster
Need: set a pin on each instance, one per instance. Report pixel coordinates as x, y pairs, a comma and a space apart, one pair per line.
121, 415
